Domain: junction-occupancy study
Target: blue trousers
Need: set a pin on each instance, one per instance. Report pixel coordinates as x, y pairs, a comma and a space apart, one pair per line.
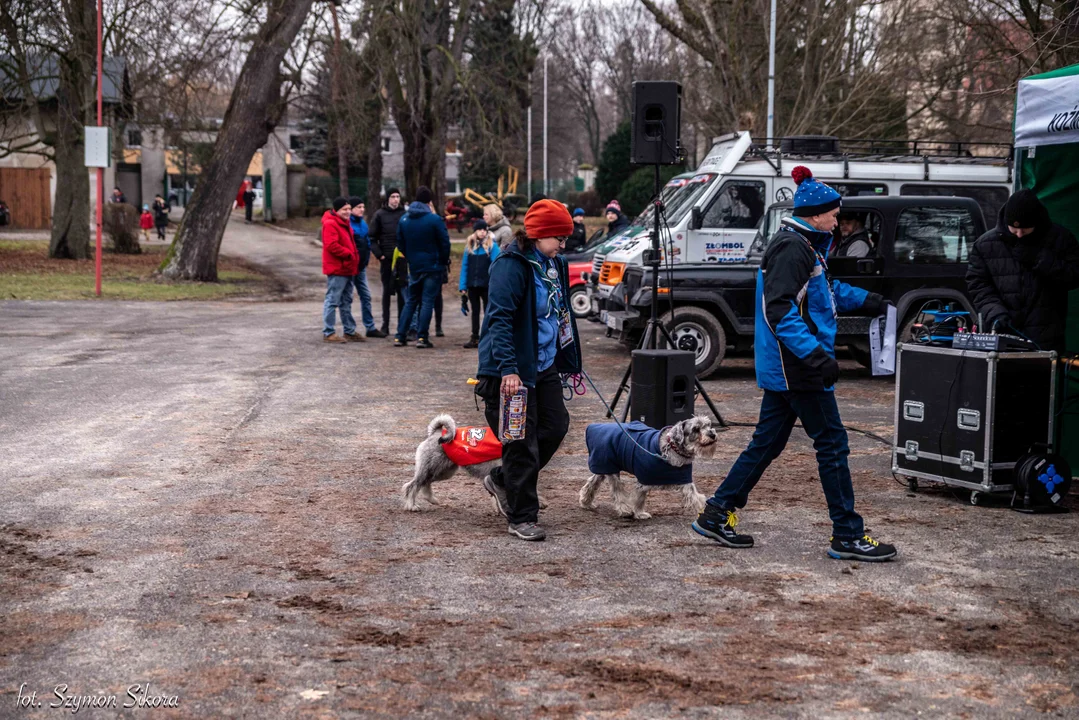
422, 291
362, 289
338, 298
820, 418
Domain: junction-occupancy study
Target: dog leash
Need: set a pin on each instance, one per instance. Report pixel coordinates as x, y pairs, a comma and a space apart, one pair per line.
576, 388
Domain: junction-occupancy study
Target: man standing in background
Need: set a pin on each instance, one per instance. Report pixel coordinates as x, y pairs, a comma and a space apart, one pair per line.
363, 247
383, 238
423, 240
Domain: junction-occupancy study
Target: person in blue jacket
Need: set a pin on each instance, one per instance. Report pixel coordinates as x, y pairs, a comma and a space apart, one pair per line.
360, 234
794, 356
529, 338
422, 238
480, 252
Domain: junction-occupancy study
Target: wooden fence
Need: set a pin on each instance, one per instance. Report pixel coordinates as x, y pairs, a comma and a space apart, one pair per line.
25, 191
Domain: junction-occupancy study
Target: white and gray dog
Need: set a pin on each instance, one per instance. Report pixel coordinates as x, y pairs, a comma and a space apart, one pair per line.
447, 449
655, 457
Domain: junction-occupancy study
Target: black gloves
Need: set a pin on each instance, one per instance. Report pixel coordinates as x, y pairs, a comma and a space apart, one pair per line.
876, 305
464, 303
826, 364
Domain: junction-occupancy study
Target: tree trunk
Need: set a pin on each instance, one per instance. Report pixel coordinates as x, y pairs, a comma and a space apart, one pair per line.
70, 237
254, 109
374, 166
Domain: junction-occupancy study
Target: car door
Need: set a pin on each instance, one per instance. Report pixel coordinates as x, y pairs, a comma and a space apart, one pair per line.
728, 223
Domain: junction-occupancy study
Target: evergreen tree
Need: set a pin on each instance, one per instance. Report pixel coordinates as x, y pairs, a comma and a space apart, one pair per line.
614, 166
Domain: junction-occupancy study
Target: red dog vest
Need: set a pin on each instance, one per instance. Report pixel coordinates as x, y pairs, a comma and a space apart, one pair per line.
473, 445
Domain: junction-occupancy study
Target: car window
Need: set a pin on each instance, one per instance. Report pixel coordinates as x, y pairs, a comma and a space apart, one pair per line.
933, 235
739, 204
862, 227
849, 189
990, 199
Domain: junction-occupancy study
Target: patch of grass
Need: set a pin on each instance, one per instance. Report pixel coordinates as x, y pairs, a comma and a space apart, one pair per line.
27, 273
310, 225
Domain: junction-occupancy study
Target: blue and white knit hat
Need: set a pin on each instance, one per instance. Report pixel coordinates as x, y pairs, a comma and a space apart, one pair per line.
812, 196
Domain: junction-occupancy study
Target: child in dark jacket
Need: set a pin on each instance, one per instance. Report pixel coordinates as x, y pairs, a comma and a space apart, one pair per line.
480, 252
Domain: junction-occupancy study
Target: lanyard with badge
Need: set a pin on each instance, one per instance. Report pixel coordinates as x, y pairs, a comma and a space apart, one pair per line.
554, 302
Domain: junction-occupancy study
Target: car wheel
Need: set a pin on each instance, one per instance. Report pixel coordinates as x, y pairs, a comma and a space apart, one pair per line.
579, 302
700, 332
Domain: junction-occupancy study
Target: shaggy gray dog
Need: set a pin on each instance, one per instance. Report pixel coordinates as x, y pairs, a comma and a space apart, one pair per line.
433, 464
610, 452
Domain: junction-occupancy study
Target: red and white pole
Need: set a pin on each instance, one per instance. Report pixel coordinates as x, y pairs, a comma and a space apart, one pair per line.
100, 170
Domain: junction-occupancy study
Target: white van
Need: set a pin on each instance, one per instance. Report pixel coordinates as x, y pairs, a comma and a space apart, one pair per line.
713, 214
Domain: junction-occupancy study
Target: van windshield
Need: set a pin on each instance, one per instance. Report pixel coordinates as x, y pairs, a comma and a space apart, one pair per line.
670, 190
687, 195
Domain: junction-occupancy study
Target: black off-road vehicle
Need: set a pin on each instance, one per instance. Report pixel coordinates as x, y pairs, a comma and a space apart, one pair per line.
919, 254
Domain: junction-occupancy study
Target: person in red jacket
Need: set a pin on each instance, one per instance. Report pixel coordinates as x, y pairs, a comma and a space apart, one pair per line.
146, 221
340, 262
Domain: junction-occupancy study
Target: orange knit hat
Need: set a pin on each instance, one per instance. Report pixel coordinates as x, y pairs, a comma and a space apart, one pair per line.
548, 218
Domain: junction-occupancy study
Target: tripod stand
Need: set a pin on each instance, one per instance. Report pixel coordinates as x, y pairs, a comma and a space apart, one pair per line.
654, 327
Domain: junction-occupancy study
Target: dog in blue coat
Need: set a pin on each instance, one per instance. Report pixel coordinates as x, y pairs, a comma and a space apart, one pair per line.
656, 458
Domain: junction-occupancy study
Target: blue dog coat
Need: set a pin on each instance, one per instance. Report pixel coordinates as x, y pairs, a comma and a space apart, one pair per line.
611, 452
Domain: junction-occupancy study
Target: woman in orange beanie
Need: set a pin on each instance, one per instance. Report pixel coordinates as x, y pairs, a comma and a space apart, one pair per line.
529, 338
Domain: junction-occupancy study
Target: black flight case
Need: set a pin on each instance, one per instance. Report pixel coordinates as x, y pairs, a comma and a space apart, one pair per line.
963, 417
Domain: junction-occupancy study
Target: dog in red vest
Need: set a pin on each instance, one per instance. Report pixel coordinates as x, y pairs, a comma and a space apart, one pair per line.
446, 449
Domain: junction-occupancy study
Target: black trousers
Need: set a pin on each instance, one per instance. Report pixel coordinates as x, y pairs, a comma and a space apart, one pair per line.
438, 310
476, 297
248, 209
546, 426
385, 275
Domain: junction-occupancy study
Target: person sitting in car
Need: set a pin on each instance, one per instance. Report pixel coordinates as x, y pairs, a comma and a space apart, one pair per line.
854, 240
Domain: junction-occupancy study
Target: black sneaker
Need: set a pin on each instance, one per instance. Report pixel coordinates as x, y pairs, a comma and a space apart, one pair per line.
864, 548
471, 344
376, 333
527, 531
719, 525
424, 343
502, 504
439, 333
398, 342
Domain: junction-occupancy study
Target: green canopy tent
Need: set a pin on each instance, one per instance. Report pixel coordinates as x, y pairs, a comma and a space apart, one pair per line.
1047, 155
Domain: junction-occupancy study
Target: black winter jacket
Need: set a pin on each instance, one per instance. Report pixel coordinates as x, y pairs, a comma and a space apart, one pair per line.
1025, 281
384, 231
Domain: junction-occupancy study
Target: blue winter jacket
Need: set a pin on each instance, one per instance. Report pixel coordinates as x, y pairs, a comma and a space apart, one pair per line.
509, 339
423, 240
477, 274
797, 303
360, 234
610, 451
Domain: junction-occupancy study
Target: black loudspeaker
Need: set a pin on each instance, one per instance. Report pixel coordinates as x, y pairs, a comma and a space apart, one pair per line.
656, 130
663, 382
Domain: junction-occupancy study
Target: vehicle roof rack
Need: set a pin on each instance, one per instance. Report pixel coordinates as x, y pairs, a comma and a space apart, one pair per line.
873, 150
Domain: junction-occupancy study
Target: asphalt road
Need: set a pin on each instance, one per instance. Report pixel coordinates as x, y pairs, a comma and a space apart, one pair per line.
205, 497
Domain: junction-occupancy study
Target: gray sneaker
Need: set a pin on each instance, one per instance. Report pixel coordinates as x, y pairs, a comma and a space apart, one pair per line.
502, 504
527, 531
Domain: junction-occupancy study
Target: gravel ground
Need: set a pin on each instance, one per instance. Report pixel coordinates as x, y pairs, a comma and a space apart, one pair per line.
204, 497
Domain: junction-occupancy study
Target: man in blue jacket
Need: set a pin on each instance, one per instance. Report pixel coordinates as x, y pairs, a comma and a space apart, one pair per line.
360, 234
423, 240
794, 356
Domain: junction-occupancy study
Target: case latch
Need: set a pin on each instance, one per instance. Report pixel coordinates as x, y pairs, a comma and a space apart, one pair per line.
968, 419
910, 450
966, 460
913, 411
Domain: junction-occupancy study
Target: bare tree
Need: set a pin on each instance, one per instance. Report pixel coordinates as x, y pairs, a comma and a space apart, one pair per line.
255, 107
49, 60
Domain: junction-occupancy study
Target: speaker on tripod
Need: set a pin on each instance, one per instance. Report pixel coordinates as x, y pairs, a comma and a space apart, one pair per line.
656, 122
662, 387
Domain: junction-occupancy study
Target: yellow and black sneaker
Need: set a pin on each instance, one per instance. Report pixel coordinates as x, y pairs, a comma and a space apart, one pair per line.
718, 525
864, 548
